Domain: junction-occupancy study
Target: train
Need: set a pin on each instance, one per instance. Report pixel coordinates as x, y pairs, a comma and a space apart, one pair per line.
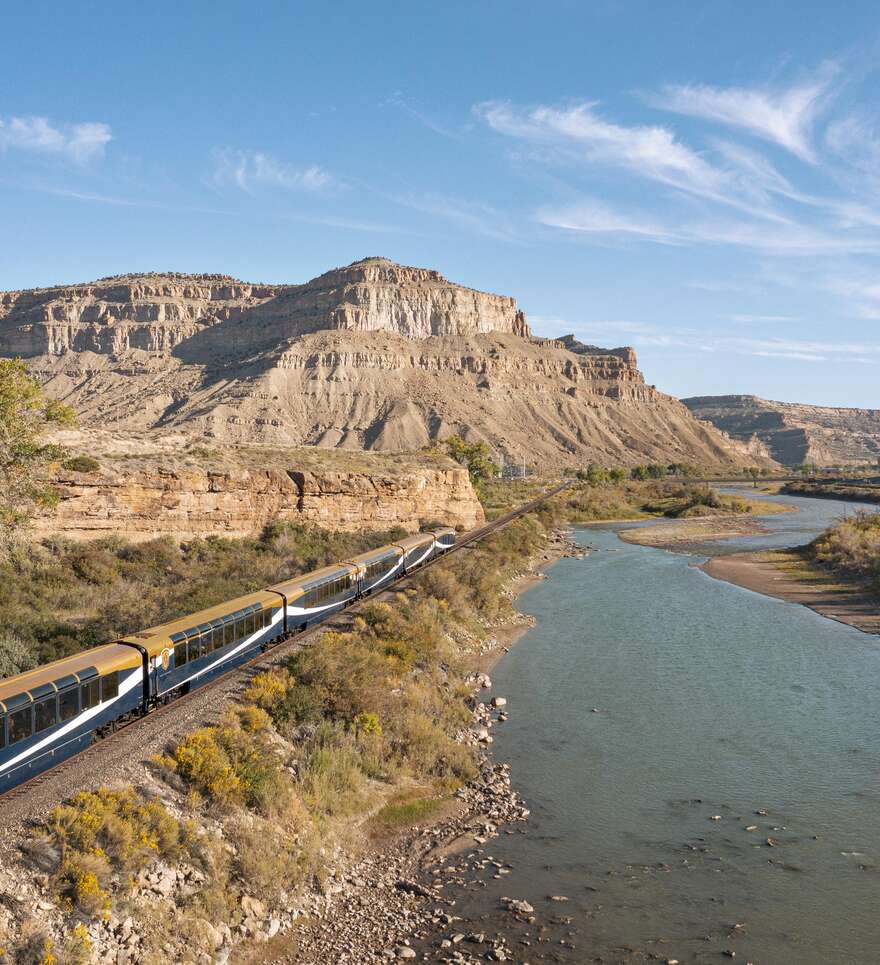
52, 712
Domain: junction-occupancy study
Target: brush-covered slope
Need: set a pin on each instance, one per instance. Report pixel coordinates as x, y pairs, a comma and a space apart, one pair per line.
372, 356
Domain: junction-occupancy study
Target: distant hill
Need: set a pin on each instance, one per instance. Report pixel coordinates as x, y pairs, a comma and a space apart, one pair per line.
374, 355
792, 433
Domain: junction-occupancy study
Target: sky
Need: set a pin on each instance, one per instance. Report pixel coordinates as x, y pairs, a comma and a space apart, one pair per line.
698, 180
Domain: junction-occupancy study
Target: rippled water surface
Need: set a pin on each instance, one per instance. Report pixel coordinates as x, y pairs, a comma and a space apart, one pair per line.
709, 701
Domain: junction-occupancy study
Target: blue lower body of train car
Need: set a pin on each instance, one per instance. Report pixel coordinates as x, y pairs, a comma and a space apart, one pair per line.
416, 557
207, 666
24, 759
302, 617
368, 586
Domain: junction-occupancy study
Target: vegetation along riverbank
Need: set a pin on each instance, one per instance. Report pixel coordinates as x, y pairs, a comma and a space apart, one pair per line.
837, 574
340, 786
252, 823
701, 514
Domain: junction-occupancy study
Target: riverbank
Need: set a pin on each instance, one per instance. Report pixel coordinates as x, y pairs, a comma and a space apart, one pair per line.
397, 901
696, 760
788, 575
280, 821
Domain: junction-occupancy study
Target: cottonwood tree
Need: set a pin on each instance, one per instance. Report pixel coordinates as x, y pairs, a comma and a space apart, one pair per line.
26, 416
473, 455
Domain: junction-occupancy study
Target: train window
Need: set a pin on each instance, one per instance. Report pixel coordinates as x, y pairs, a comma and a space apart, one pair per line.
21, 724
251, 623
68, 704
46, 713
2, 733
110, 686
91, 694
377, 568
180, 653
217, 637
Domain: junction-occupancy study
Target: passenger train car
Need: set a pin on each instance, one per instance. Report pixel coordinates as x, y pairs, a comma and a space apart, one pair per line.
50, 713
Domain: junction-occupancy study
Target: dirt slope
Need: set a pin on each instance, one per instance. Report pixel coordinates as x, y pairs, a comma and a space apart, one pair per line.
371, 356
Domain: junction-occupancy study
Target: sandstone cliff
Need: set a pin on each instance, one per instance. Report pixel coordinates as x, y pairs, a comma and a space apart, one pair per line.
794, 434
162, 494
373, 356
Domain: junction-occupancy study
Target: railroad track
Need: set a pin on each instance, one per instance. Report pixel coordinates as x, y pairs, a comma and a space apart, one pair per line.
168, 713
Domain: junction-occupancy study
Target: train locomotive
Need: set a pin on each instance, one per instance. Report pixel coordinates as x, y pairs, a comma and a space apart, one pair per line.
52, 712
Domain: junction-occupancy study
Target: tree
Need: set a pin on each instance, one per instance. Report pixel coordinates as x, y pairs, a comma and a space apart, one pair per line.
753, 472
595, 475
474, 455
15, 656
26, 415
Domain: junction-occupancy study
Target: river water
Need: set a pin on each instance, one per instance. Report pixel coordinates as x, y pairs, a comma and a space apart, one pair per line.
710, 702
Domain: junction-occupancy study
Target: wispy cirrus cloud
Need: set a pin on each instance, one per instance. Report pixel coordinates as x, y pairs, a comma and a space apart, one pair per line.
706, 340
863, 294
477, 217
400, 101
746, 317
591, 218
579, 134
250, 170
597, 218
81, 142
784, 116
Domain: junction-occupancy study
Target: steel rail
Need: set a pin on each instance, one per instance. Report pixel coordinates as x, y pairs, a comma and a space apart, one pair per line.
270, 653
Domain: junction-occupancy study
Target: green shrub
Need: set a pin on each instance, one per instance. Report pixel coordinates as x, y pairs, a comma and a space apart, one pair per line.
120, 826
87, 464
232, 763
851, 548
81, 884
406, 811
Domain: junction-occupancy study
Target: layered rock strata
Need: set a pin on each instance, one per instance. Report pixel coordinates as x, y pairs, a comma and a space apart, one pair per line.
372, 356
186, 502
792, 433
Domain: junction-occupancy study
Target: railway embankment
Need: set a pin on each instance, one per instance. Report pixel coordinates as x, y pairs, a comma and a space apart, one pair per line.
250, 821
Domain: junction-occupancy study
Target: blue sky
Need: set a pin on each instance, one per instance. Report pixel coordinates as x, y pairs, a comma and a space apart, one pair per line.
699, 180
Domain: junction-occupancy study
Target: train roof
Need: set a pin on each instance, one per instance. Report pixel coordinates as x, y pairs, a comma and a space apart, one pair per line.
417, 539
393, 549
309, 579
66, 671
155, 639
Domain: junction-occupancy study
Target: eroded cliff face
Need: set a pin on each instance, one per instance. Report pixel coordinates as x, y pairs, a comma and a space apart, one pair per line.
184, 502
378, 295
373, 356
794, 434
156, 313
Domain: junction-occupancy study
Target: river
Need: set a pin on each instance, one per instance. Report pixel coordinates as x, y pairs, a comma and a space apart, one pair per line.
656, 714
